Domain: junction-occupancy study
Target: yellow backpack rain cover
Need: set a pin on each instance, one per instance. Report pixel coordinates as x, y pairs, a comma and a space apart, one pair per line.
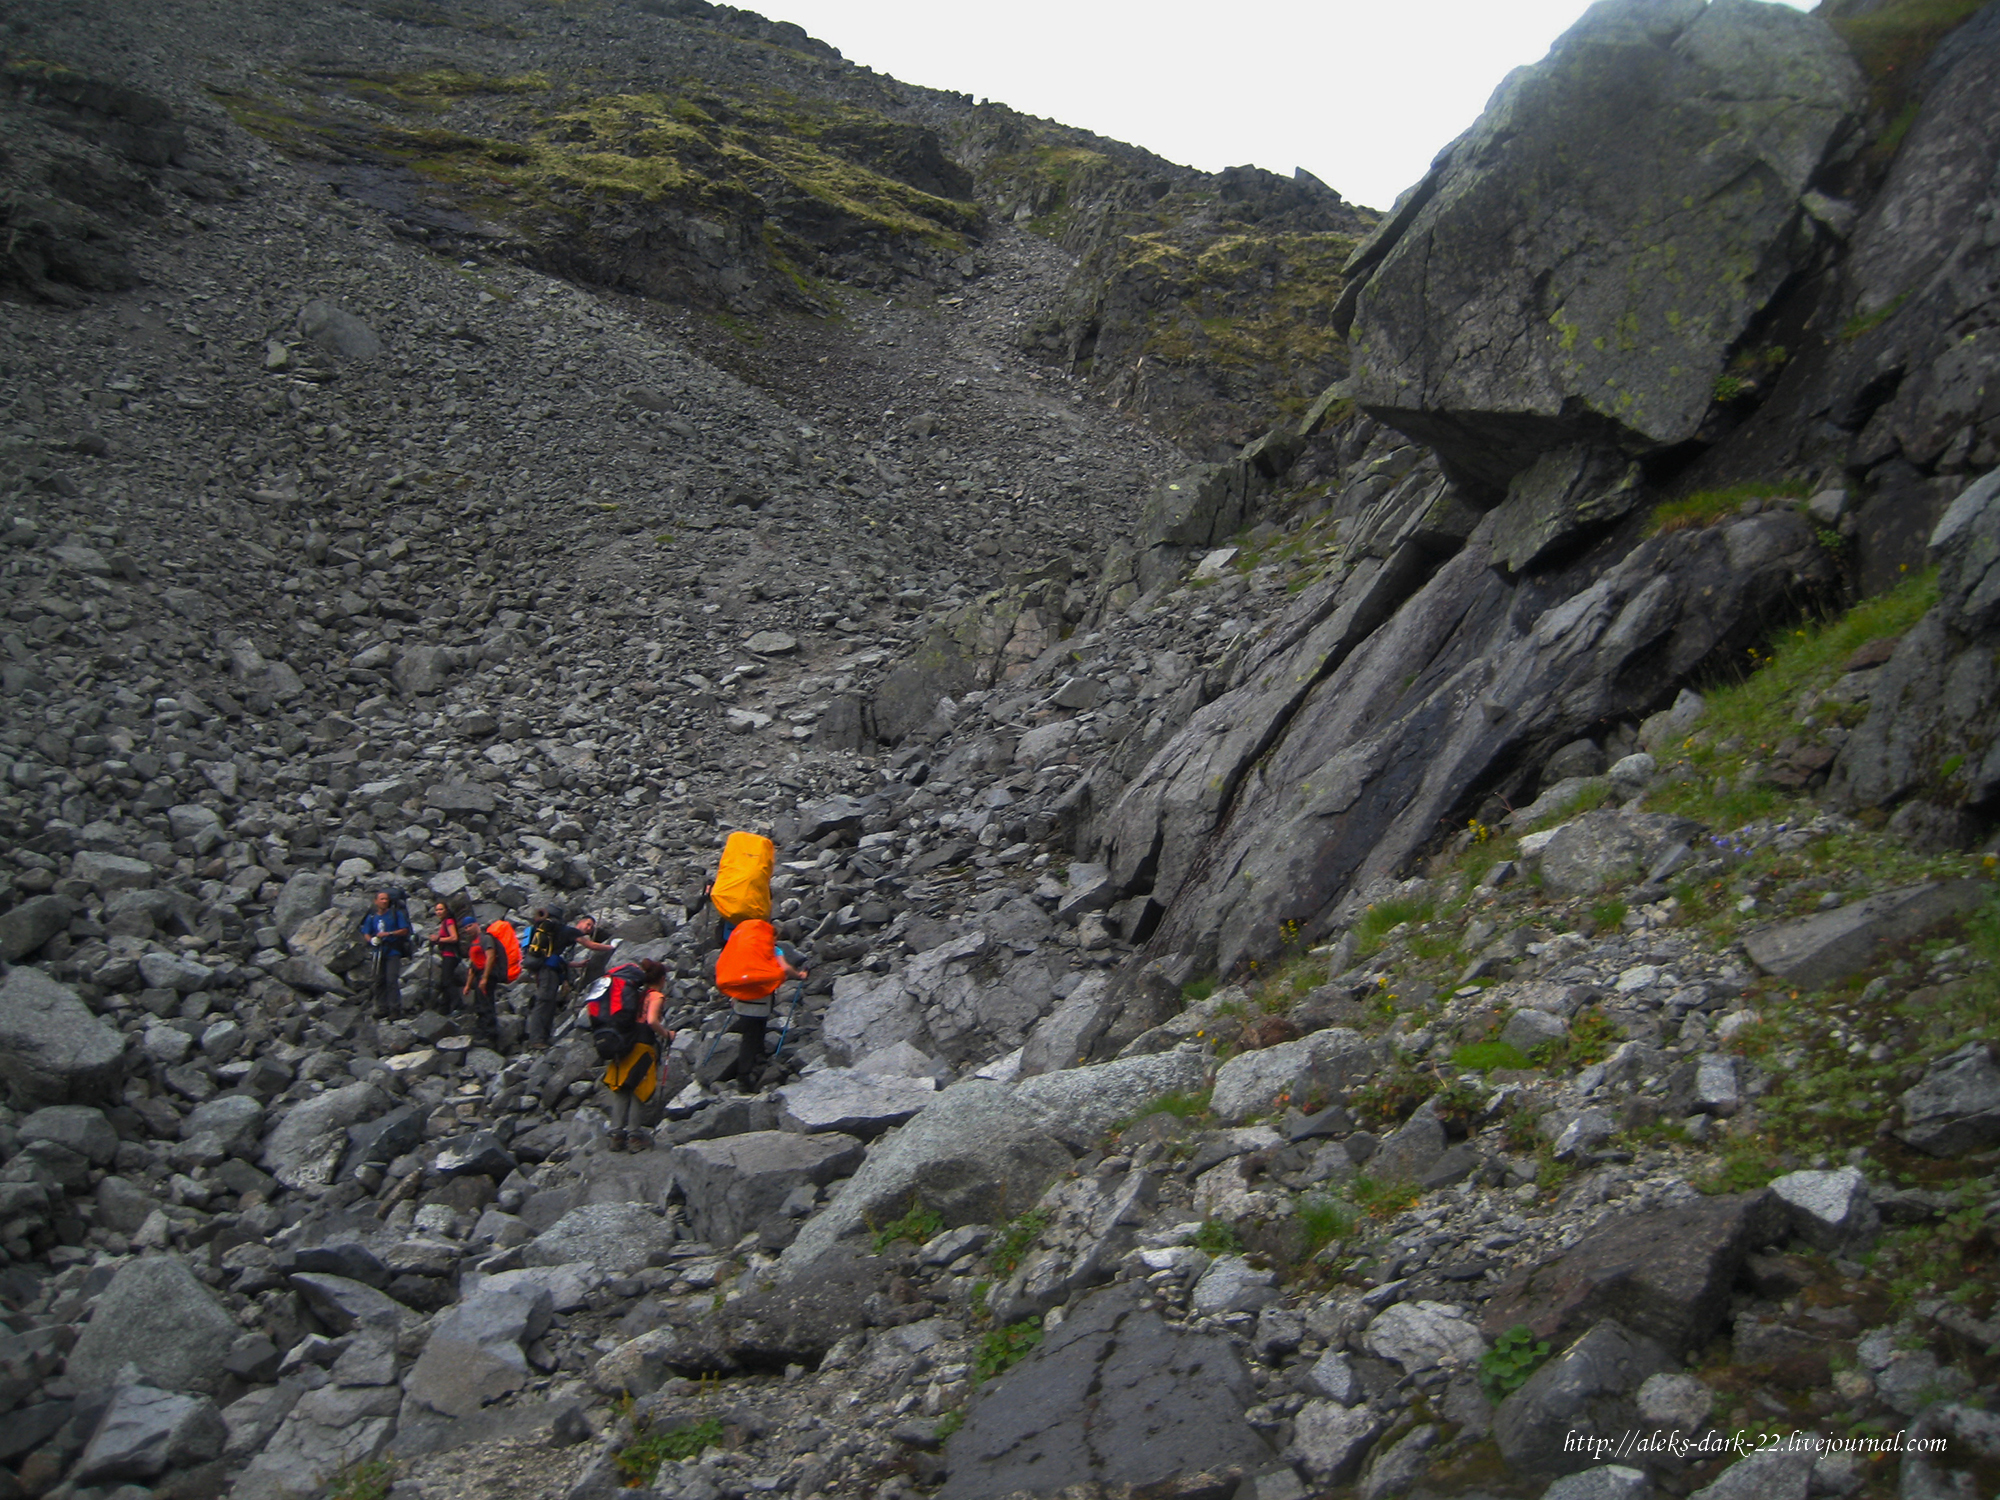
742, 889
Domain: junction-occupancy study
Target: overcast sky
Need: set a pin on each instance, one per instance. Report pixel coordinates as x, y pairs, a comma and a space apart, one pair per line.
1362, 95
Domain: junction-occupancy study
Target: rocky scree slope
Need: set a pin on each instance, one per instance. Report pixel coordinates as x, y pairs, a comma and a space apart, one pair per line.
393, 1242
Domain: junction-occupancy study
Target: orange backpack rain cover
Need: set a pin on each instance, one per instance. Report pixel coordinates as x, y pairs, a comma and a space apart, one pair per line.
509, 940
742, 889
749, 967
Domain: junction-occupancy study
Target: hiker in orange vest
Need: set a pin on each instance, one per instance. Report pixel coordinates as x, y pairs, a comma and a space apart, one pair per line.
752, 967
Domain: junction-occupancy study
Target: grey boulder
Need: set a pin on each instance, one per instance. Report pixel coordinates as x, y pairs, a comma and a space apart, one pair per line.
1584, 1391
154, 1314
1583, 260
52, 1049
27, 926
75, 1127
146, 1431
1114, 1397
735, 1183
1825, 948
474, 1355
616, 1237
1955, 1107
304, 1149
1831, 1211
1326, 1063
852, 1102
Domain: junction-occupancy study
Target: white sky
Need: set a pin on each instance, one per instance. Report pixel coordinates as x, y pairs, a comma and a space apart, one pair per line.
1361, 93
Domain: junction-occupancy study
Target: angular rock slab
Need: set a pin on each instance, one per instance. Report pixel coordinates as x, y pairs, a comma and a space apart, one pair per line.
1831, 1211
305, 1148
474, 1356
1825, 948
1114, 1396
1330, 1439
1326, 1062
52, 1049
1579, 265
1586, 1390
734, 1183
1955, 1107
986, 1151
1424, 1336
852, 1102
1664, 1275
157, 1316
616, 1237
144, 1432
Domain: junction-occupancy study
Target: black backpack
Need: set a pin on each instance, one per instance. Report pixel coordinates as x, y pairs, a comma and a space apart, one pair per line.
399, 916
541, 950
613, 1017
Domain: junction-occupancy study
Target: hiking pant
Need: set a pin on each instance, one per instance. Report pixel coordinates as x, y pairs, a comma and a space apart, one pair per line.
624, 1109
548, 996
451, 977
479, 1000
749, 1060
388, 987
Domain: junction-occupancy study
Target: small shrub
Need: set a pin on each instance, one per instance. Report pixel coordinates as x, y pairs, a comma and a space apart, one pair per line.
1458, 1104
949, 1423
1322, 1221
1705, 507
1384, 1200
370, 1479
1391, 1096
1484, 1057
1197, 990
1381, 918
1591, 1038
917, 1225
1217, 1238
1004, 1348
640, 1459
1016, 1238
1515, 1355
1608, 914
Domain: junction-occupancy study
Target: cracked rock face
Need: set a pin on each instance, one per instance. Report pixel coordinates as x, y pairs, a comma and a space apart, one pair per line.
1160, 1403
1705, 124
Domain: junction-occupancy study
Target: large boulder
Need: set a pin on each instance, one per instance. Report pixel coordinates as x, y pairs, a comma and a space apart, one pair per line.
1579, 266
52, 1049
31, 924
307, 893
1663, 1275
331, 938
1584, 1392
1826, 947
852, 1102
157, 1316
145, 1431
616, 1237
306, 1146
474, 1356
1955, 1107
1325, 1063
986, 1151
736, 1183
1115, 1396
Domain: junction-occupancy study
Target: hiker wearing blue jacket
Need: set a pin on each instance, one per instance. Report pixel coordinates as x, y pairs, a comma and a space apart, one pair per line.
387, 930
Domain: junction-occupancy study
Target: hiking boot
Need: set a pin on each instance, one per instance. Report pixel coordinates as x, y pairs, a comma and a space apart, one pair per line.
617, 1139
638, 1140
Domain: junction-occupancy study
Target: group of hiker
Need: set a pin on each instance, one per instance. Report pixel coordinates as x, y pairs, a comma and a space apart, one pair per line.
623, 1003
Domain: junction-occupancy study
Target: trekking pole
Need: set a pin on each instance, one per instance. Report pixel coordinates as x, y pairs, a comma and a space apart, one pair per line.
798, 994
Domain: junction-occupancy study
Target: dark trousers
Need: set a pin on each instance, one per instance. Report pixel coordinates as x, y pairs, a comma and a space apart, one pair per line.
388, 987
479, 991
451, 978
548, 998
750, 1056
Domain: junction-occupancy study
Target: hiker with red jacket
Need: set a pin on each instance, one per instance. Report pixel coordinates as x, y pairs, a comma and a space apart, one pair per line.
625, 1028
751, 969
485, 972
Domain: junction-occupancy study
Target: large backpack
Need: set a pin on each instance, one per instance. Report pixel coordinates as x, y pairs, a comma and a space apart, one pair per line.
542, 941
613, 1014
742, 888
399, 916
503, 933
748, 967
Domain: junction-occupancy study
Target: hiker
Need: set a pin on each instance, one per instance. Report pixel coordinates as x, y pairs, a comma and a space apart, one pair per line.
550, 944
492, 958
752, 967
387, 929
625, 1028
449, 945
